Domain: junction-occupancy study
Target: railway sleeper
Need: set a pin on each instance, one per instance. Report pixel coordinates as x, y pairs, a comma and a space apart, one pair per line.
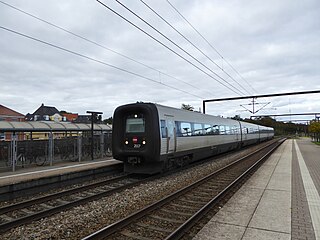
90, 193
171, 220
195, 197
45, 206
26, 211
215, 185
184, 206
154, 228
130, 234
192, 202
176, 212
6, 218
212, 189
203, 194
62, 202
200, 195
186, 210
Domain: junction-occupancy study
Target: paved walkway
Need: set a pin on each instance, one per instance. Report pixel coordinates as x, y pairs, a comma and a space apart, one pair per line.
280, 201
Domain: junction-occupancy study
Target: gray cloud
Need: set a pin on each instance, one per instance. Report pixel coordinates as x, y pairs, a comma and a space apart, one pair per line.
274, 45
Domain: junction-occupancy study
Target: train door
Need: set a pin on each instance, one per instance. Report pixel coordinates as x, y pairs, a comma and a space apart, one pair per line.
240, 132
171, 135
244, 133
237, 133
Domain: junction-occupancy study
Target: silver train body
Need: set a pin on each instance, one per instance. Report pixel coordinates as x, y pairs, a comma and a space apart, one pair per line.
151, 138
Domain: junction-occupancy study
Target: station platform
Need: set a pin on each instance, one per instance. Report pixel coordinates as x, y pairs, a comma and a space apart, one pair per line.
280, 201
31, 180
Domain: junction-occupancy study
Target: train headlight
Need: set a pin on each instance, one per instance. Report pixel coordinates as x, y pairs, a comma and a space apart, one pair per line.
144, 142
126, 142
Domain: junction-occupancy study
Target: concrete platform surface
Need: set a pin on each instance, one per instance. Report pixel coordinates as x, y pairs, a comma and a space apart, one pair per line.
269, 205
37, 172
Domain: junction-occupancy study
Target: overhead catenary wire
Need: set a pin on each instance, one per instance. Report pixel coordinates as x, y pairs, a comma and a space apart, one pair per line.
95, 60
164, 45
177, 45
196, 47
210, 45
102, 46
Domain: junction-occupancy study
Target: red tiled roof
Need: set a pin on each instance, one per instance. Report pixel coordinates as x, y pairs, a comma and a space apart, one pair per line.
4, 111
70, 116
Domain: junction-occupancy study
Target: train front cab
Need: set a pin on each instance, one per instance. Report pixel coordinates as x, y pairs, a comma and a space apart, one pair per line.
136, 138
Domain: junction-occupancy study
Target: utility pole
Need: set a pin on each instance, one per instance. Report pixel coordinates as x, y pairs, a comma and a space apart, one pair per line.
94, 116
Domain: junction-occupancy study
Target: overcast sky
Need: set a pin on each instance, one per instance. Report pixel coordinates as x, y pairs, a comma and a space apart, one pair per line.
274, 45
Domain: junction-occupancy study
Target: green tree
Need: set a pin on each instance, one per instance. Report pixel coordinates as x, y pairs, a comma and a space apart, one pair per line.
108, 120
280, 128
314, 129
187, 107
237, 117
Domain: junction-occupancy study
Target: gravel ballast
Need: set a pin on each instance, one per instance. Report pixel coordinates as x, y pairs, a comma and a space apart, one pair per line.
80, 221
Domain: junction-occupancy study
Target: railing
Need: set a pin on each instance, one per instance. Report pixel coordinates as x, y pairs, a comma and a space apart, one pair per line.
18, 154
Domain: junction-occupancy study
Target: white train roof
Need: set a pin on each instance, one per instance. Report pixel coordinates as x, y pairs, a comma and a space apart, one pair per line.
185, 115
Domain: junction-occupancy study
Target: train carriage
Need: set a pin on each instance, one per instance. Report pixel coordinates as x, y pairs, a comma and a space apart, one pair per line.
151, 138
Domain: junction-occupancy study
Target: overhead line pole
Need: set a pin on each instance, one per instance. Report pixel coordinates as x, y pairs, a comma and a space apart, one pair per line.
255, 96
93, 118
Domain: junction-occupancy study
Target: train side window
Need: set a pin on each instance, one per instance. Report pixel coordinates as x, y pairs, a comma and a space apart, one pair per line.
244, 130
228, 130
197, 129
2, 136
178, 129
222, 130
163, 129
207, 129
215, 130
185, 129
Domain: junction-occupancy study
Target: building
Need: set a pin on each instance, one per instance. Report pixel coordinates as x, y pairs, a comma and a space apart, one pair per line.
83, 119
70, 117
46, 113
9, 115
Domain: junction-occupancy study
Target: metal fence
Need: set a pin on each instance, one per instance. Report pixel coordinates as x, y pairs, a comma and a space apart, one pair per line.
19, 154
315, 137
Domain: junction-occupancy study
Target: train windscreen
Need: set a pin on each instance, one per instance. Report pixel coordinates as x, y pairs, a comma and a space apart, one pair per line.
135, 124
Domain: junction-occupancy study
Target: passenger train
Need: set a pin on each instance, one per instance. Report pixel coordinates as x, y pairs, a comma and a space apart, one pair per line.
151, 138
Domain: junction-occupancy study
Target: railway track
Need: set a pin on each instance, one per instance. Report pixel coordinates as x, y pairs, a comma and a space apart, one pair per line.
24, 212
174, 215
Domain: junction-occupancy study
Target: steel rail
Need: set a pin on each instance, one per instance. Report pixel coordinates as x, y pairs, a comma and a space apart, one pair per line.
49, 197
179, 232
32, 217
56, 209
113, 228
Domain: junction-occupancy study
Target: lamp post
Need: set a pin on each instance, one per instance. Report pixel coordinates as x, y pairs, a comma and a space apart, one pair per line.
93, 117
